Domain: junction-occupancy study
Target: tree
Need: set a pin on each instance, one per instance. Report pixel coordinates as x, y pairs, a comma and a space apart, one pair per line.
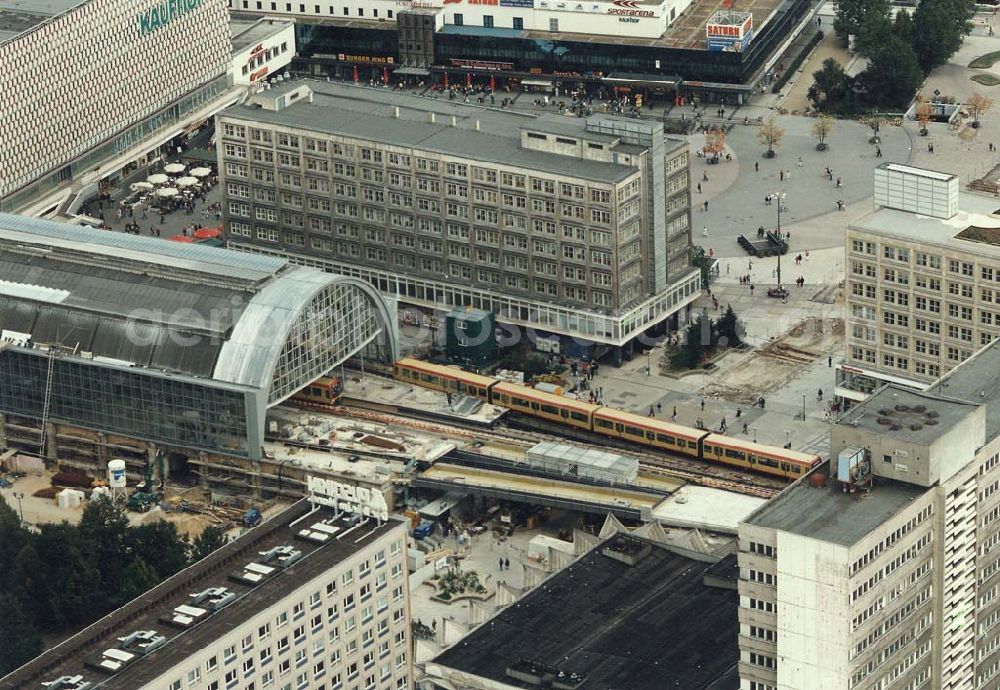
832, 90
697, 340
851, 14
205, 543
924, 114
978, 104
729, 328
160, 546
139, 579
715, 142
821, 130
770, 135
701, 261
939, 26
102, 531
19, 641
893, 74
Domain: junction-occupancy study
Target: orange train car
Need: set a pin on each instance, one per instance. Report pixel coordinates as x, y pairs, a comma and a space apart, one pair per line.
446, 379
757, 457
325, 390
647, 431
536, 403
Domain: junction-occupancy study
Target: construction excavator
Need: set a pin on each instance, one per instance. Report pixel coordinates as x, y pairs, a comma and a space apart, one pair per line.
145, 495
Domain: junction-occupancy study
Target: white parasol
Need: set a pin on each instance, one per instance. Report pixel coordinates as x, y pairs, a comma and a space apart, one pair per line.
158, 178
186, 181
137, 186
200, 172
174, 168
167, 191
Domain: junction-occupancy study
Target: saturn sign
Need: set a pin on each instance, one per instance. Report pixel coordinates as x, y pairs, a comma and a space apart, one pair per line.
163, 13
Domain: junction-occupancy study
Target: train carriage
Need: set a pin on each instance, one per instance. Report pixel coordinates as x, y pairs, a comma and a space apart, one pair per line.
536, 403
757, 457
325, 390
447, 379
647, 431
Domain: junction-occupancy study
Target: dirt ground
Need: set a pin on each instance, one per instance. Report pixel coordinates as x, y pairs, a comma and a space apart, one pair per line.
41, 511
772, 367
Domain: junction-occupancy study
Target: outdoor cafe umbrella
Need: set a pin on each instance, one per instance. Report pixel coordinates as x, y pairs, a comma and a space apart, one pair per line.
137, 186
206, 233
174, 168
200, 172
181, 238
167, 191
186, 181
493, 83
158, 178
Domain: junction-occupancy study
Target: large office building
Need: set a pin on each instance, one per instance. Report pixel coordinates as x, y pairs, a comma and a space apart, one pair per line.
313, 599
160, 64
922, 283
668, 48
881, 568
107, 338
576, 227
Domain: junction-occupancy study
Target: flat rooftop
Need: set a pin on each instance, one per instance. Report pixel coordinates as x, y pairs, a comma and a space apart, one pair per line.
648, 626
74, 655
974, 229
828, 514
20, 16
976, 380
247, 33
367, 114
905, 414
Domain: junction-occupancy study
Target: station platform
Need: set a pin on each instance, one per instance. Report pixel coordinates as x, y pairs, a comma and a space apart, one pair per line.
625, 503
386, 394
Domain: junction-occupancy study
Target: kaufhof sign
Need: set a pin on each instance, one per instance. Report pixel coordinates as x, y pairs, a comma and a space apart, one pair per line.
350, 499
163, 13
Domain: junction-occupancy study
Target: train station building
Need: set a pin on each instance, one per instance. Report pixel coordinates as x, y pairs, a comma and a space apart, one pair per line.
665, 49
112, 345
578, 228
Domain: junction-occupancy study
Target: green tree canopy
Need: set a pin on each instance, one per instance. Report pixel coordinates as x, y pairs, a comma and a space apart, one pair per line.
160, 546
852, 14
939, 26
139, 579
893, 75
19, 641
832, 89
205, 543
730, 328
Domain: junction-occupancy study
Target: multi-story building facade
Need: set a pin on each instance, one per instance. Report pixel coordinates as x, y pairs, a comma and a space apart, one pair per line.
106, 107
923, 281
577, 227
881, 569
305, 600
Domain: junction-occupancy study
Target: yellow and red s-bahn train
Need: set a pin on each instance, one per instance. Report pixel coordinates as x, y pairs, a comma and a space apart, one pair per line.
607, 421
325, 390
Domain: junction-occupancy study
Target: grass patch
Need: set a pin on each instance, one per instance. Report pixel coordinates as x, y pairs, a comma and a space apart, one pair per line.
984, 61
985, 79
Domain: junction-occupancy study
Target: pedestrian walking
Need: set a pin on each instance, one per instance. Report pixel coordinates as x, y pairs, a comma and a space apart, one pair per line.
722, 425
756, 166
744, 428
819, 394
704, 206
704, 176
702, 404
800, 163
674, 415
930, 147
506, 564
651, 411
878, 151
699, 187
781, 175
704, 233
840, 183
501, 564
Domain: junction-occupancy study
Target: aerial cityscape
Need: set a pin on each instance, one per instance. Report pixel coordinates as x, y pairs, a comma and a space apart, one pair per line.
499, 345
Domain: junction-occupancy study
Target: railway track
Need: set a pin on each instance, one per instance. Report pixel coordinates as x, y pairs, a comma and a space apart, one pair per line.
685, 469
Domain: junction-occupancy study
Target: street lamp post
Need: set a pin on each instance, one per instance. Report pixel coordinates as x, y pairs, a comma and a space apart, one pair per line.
755, 434
20, 510
781, 201
649, 362
803, 408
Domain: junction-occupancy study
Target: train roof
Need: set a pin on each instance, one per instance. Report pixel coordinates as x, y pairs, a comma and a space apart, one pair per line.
649, 422
793, 455
450, 371
540, 396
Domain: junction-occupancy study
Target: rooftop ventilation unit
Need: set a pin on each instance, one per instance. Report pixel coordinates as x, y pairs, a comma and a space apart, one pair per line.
214, 598
112, 660
185, 616
253, 574
319, 533
142, 641
281, 556
68, 683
